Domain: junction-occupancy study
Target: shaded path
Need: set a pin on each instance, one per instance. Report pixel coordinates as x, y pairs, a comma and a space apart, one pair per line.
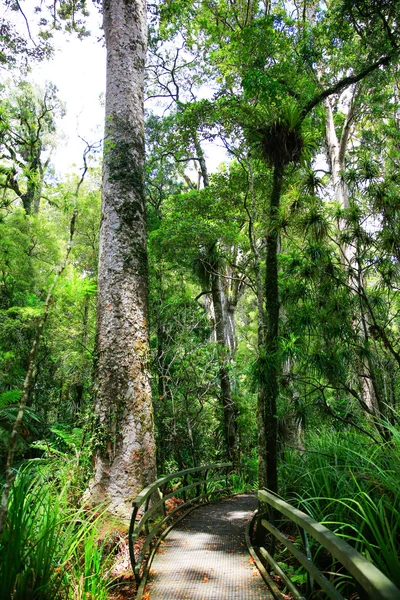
205, 556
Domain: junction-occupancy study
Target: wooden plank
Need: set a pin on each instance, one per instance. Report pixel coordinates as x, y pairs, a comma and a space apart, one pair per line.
157, 505
306, 562
158, 526
205, 559
264, 574
375, 583
278, 570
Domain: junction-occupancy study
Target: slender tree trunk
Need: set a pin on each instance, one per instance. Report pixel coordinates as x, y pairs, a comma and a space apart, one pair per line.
79, 387
85, 321
163, 434
224, 358
176, 440
125, 458
190, 433
290, 430
225, 337
229, 299
336, 150
269, 385
261, 333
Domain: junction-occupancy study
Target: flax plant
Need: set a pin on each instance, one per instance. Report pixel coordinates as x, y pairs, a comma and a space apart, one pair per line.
351, 486
46, 544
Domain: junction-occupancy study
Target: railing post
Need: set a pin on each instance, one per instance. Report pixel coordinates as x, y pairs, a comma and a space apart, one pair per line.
198, 491
146, 506
260, 532
131, 545
265, 511
271, 518
205, 486
184, 482
164, 508
307, 551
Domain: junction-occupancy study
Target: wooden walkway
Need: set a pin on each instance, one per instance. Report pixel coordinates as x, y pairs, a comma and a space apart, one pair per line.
205, 557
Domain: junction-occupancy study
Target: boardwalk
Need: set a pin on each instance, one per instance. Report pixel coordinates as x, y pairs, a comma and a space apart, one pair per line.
205, 557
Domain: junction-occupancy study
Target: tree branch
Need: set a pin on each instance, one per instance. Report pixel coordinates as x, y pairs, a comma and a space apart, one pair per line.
344, 83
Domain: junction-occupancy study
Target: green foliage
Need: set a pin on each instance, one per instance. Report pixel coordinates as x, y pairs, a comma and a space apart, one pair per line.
89, 578
266, 70
353, 487
27, 136
30, 250
9, 402
45, 541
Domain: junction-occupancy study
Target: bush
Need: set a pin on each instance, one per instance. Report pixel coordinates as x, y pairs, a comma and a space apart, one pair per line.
48, 549
353, 487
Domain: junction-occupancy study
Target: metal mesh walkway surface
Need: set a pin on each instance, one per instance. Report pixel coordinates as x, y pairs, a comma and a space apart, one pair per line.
205, 557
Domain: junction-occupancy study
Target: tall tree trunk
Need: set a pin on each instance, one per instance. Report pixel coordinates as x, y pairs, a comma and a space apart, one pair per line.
269, 383
125, 458
261, 333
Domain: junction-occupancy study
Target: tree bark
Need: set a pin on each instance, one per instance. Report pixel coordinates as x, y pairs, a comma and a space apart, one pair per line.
162, 376
224, 357
336, 151
268, 394
261, 333
224, 326
125, 456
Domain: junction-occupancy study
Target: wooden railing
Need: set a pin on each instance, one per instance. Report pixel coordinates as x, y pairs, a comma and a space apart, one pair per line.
375, 585
151, 520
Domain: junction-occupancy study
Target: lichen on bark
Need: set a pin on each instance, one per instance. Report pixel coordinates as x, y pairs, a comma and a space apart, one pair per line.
124, 461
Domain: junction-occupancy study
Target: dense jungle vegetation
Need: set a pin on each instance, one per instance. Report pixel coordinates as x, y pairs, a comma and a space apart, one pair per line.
271, 280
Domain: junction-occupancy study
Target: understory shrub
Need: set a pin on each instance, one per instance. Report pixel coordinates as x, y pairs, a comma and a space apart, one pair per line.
352, 486
48, 547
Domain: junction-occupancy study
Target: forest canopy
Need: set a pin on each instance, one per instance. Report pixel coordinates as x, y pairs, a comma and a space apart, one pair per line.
160, 310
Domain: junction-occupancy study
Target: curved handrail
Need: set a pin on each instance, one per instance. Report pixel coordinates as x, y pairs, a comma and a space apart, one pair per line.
147, 492
375, 583
150, 514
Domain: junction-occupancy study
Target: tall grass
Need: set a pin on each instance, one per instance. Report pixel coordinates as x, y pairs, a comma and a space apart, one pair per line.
48, 548
353, 487
88, 580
